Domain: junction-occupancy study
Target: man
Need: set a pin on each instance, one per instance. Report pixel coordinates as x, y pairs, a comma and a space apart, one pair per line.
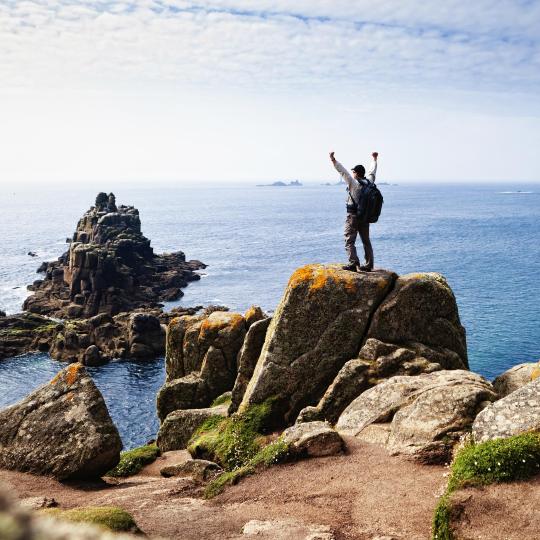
352, 226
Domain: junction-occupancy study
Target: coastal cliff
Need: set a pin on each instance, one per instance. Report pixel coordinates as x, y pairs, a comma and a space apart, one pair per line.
102, 299
355, 394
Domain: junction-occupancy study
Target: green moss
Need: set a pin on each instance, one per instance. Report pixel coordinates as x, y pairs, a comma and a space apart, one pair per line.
237, 443
499, 460
232, 441
109, 517
267, 456
222, 400
441, 520
132, 461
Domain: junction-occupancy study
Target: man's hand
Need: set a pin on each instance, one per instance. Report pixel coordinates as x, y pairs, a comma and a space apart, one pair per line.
332, 158
375, 155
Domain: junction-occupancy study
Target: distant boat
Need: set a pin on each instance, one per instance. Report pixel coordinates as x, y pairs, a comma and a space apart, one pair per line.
518, 192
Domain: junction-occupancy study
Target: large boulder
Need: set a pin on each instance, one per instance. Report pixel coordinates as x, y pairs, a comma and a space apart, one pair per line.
378, 361
421, 309
62, 429
514, 378
516, 413
201, 360
318, 325
421, 416
247, 360
416, 329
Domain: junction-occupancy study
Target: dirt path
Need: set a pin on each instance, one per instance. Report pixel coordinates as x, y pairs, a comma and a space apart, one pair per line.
508, 511
361, 495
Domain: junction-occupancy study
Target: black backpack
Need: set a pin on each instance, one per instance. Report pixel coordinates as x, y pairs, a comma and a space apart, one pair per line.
369, 205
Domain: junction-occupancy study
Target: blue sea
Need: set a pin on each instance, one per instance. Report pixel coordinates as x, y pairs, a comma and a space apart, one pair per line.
484, 238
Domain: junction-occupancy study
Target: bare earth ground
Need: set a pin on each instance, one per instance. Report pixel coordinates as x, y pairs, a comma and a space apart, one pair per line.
500, 511
361, 495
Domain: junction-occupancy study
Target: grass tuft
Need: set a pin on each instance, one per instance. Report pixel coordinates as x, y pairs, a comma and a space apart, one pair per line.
132, 461
441, 520
271, 454
499, 460
109, 517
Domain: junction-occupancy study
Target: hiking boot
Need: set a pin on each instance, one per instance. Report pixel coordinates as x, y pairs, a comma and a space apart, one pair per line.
351, 266
365, 268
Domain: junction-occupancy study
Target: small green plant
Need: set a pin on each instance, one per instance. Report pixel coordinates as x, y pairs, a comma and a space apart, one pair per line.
499, 460
132, 461
109, 517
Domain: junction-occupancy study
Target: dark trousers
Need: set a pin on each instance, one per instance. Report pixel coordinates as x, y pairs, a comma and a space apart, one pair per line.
352, 229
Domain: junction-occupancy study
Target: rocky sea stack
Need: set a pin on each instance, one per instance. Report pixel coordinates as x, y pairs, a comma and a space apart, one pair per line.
109, 268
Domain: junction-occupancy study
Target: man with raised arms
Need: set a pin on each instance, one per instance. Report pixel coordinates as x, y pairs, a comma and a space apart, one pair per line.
353, 226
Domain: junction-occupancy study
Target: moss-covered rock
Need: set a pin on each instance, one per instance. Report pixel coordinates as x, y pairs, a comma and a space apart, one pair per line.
231, 442
179, 426
238, 444
500, 460
109, 517
224, 399
133, 461
26, 332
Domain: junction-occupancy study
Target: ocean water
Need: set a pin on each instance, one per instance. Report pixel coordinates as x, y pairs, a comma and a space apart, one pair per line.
484, 238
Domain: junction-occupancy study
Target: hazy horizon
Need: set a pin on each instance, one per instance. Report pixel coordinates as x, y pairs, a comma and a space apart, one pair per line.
165, 92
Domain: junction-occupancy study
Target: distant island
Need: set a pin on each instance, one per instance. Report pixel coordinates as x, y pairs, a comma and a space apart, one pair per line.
281, 184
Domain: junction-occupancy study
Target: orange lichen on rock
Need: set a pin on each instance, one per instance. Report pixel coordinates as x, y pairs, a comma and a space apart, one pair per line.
218, 321
251, 312
69, 375
536, 372
73, 373
320, 276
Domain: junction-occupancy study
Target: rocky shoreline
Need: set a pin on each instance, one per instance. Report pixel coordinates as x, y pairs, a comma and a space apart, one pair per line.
102, 299
347, 359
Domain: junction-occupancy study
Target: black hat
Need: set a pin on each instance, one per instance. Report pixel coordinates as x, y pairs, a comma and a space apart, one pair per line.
359, 170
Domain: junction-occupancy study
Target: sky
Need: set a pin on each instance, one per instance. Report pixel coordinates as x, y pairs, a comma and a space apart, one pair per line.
170, 91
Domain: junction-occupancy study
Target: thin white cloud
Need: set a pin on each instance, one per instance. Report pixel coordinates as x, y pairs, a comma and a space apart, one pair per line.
385, 44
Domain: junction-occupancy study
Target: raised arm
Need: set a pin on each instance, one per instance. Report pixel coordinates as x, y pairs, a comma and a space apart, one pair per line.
342, 170
372, 172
